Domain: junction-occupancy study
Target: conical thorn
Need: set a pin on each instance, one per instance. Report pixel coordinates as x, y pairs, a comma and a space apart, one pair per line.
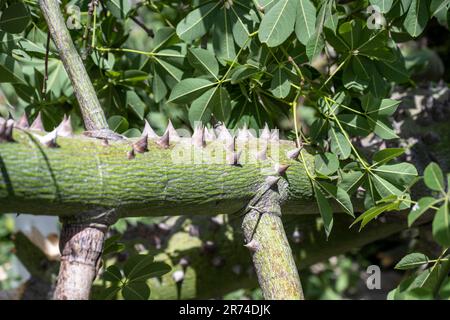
209, 135
293, 154
131, 155
233, 158
37, 124
281, 168
23, 122
141, 145
148, 130
272, 180
262, 154
265, 133
198, 138
172, 132
164, 141
253, 245
65, 127
49, 140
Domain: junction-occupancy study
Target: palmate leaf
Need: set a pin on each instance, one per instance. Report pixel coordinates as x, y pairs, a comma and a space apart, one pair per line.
433, 177
339, 144
280, 85
339, 195
189, 89
417, 17
420, 208
15, 18
386, 155
325, 209
326, 163
204, 61
223, 41
198, 22
216, 100
351, 180
10, 70
412, 260
278, 23
441, 225
383, 5
374, 212
400, 174
242, 25
119, 8
305, 24
136, 291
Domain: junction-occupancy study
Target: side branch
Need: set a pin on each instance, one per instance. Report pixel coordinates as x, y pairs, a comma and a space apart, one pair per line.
271, 253
93, 115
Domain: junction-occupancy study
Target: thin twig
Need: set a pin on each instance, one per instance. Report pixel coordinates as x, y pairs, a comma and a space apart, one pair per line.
47, 48
149, 32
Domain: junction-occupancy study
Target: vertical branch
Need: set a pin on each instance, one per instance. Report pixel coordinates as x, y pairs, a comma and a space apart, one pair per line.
272, 256
81, 248
81, 244
93, 115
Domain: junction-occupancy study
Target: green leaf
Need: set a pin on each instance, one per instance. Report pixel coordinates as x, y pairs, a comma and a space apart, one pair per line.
202, 107
136, 104
278, 24
242, 25
314, 46
325, 209
412, 260
10, 70
112, 274
222, 37
198, 22
433, 177
119, 8
15, 18
381, 128
336, 41
372, 213
163, 37
339, 195
400, 174
118, 124
326, 163
356, 75
417, 17
339, 144
383, 5
387, 107
159, 88
136, 291
136, 263
156, 269
420, 208
441, 226
354, 124
351, 181
280, 85
189, 89
386, 155
222, 105
243, 72
394, 70
204, 61
384, 187
305, 24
